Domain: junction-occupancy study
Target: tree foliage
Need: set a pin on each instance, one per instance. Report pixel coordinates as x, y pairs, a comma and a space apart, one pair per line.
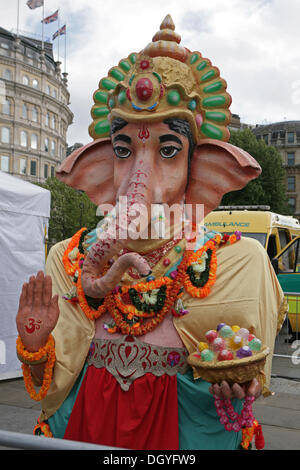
269, 188
70, 210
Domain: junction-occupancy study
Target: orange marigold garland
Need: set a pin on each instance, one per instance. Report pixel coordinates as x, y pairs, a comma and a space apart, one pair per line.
49, 350
196, 273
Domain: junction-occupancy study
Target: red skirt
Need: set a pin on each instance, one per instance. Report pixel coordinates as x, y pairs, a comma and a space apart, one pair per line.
144, 417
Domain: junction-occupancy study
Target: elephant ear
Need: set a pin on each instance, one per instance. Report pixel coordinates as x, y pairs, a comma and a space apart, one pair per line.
218, 168
90, 169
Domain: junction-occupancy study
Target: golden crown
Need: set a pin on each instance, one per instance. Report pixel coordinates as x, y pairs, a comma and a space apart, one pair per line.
164, 80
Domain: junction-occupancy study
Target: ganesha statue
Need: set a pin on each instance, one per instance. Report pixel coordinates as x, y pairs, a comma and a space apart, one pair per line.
122, 306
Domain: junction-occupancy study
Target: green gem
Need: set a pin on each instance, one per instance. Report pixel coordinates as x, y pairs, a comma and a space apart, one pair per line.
211, 131
192, 105
111, 102
132, 58
102, 127
208, 75
214, 101
178, 249
216, 116
157, 76
173, 97
194, 58
217, 86
108, 84
131, 79
201, 66
101, 96
117, 74
101, 111
125, 65
122, 97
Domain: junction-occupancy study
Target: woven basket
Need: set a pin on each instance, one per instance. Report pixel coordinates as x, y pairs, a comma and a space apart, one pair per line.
234, 371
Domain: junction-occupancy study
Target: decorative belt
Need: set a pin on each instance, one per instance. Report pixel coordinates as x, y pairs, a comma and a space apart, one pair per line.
128, 358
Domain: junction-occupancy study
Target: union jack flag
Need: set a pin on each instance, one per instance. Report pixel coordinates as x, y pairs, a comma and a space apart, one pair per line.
32, 4
59, 32
51, 18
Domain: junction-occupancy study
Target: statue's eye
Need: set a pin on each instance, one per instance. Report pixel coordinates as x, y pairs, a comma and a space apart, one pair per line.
169, 151
122, 152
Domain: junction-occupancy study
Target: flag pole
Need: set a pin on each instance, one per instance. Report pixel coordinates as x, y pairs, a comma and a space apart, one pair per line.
65, 49
58, 37
43, 16
18, 17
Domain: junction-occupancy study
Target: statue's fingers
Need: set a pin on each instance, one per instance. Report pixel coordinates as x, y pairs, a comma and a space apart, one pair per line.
254, 388
216, 390
38, 290
226, 390
238, 391
47, 290
54, 308
30, 290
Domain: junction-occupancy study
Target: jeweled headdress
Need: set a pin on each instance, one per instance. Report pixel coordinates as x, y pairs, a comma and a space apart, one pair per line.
164, 80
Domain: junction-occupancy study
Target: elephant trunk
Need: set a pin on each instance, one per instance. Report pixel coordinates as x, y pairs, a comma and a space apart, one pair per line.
122, 227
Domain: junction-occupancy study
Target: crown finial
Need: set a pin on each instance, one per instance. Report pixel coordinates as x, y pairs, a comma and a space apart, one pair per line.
167, 31
167, 23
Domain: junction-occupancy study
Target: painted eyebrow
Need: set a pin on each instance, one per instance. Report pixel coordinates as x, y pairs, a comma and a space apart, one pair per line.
122, 138
168, 138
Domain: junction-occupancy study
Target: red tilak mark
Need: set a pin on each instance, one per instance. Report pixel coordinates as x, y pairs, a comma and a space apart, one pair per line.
33, 325
144, 134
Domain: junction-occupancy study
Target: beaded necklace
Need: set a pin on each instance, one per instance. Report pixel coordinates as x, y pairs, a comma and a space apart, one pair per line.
137, 309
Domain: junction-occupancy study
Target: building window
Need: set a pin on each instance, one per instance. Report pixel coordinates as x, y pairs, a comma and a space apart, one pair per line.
266, 138
290, 137
48, 89
291, 183
25, 111
52, 172
4, 163
24, 139
54, 93
47, 119
6, 107
35, 83
5, 135
53, 122
34, 141
35, 114
23, 166
53, 147
33, 168
7, 74
291, 158
25, 80
292, 203
46, 171
46, 145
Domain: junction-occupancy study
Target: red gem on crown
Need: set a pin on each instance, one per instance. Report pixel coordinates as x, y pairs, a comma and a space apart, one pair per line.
145, 64
144, 89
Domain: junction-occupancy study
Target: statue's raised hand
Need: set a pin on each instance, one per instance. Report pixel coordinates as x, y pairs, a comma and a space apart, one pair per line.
38, 312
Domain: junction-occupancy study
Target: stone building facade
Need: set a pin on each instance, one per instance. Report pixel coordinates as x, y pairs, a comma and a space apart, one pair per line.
34, 112
285, 136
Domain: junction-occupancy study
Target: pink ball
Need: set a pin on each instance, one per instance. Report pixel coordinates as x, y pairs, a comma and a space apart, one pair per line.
211, 335
244, 333
218, 344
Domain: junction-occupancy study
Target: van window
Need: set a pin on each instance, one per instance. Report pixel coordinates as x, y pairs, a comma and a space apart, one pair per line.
283, 237
287, 261
272, 249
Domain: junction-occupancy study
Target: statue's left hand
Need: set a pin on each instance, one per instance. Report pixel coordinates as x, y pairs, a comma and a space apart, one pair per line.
225, 391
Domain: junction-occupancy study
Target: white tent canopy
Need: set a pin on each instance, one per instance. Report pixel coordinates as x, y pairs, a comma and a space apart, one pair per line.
24, 215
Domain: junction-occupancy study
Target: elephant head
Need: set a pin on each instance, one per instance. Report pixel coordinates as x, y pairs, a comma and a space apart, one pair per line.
160, 130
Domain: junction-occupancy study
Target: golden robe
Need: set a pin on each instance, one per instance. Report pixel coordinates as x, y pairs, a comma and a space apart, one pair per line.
246, 293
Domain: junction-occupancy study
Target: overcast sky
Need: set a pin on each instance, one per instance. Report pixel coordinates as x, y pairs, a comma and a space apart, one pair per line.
254, 43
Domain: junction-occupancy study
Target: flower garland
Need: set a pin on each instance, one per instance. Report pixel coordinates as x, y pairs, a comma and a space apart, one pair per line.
139, 317
33, 357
